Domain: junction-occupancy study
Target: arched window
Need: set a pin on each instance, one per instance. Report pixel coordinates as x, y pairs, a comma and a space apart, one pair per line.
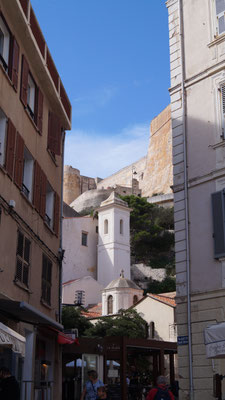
110, 304
135, 299
106, 226
121, 227
152, 330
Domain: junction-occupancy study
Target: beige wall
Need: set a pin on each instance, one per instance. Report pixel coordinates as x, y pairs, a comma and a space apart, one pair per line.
158, 176
204, 59
23, 216
161, 314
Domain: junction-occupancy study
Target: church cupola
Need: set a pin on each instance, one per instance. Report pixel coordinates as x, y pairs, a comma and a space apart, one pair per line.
120, 293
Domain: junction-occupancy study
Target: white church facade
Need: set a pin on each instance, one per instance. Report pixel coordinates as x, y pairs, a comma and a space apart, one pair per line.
92, 267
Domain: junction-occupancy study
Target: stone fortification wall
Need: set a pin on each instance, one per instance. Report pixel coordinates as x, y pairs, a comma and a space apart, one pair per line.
158, 176
151, 175
75, 184
125, 175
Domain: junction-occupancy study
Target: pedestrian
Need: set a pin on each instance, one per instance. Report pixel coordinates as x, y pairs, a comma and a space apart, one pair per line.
161, 391
9, 387
101, 393
91, 386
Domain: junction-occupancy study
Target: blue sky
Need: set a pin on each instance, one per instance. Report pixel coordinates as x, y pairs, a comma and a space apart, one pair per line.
113, 59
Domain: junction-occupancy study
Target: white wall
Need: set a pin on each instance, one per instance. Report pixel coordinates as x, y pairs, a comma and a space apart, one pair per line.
122, 298
161, 314
92, 291
79, 261
113, 248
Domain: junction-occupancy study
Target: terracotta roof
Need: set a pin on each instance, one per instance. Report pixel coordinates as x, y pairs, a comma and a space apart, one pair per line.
167, 298
93, 311
72, 280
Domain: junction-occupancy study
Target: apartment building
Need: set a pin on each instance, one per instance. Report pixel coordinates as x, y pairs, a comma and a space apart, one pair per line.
197, 63
34, 114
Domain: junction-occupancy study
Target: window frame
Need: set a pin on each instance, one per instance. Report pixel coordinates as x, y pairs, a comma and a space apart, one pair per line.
106, 226
46, 284
84, 235
3, 137
217, 16
110, 305
49, 205
3, 28
28, 175
24, 262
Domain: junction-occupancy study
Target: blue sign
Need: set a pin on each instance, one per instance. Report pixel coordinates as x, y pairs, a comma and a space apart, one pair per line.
182, 340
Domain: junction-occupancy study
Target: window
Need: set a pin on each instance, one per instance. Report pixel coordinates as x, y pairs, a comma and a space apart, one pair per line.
46, 279
4, 44
31, 89
152, 330
22, 259
31, 96
9, 52
49, 210
218, 211
106, 226
79, 297
28, 167
121, 227
84, 237
135, 299
110, 305
54, 134
220, 16
3, 126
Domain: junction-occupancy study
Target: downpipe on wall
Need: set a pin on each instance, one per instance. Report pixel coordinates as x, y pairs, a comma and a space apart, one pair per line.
61, 251
191, 387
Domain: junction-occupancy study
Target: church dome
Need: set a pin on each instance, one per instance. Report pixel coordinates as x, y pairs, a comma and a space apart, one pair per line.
122, 282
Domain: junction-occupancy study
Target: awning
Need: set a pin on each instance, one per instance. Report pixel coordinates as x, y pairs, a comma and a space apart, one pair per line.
65, 338
23, 311
10, 338
215, 341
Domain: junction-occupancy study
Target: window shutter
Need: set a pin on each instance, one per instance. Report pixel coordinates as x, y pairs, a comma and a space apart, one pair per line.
218, 210
37, 186
54, 134
10, 148
24, 81
19, 157
39, 111
43, 182
56, 214
15, 63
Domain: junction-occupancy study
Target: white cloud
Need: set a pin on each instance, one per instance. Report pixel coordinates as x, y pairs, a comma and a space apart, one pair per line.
97, 155
99, 99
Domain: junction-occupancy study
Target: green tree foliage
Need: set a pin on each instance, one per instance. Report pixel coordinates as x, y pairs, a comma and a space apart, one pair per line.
167, 285
152, 237
127, 323
72, 318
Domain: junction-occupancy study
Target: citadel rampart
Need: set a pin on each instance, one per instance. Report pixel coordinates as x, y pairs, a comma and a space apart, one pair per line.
151, 175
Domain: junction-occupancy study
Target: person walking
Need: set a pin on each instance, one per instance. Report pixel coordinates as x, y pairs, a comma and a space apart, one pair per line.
91, 386
9, 387
161, 391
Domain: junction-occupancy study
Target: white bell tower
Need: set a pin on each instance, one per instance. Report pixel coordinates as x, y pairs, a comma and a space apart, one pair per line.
114, 239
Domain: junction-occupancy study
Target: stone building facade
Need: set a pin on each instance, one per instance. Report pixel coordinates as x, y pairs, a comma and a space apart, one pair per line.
197, 64
34, 114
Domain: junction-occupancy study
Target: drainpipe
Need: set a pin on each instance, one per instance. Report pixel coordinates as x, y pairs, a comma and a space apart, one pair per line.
61, 251
191, 387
